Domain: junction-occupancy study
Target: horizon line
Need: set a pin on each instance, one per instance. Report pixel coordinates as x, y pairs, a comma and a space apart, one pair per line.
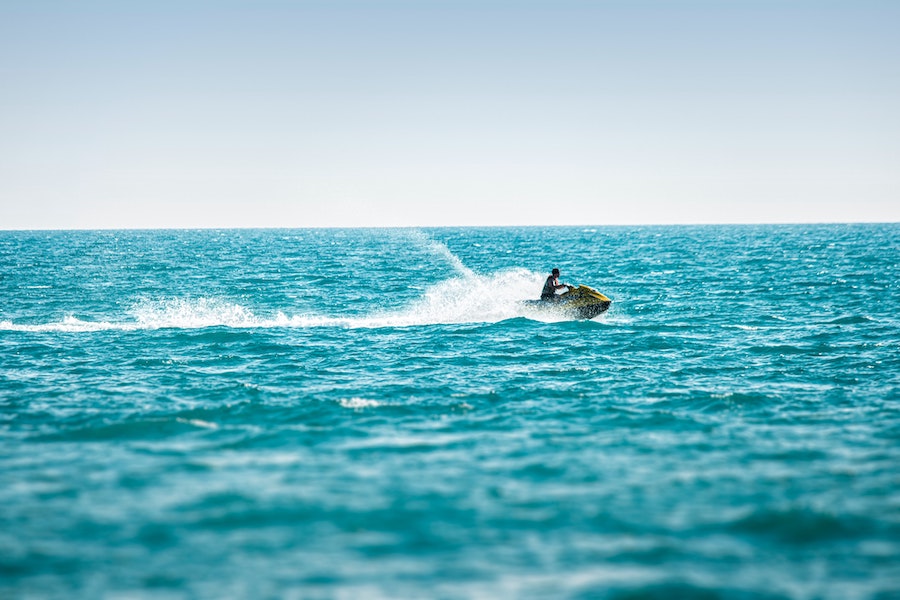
549, 226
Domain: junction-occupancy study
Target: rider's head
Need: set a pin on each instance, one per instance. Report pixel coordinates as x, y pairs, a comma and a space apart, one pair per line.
556, 272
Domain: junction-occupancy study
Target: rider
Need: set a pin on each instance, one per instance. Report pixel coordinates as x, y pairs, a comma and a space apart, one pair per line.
551, 285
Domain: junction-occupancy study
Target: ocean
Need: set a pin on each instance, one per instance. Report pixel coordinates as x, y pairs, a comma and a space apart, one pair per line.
369, 413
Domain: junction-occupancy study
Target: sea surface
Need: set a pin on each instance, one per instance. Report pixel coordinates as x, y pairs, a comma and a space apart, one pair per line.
370, 413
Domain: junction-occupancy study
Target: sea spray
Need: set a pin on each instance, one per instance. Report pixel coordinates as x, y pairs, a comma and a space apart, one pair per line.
467, 298
441, 250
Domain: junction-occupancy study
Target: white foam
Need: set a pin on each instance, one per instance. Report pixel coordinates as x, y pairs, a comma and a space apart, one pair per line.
178, 313
476, 298
198, 423
182, 313
358, 403
69, 324
465, 298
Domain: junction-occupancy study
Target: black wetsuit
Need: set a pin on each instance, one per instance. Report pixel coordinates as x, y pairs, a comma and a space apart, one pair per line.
549, 291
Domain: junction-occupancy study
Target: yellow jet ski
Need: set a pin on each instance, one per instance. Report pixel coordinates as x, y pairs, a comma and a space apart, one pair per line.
579, 302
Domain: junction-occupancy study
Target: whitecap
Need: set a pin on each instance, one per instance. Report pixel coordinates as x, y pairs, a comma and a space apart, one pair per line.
198, 423
358, 403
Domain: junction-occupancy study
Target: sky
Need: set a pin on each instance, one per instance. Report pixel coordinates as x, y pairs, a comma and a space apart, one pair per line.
339, 113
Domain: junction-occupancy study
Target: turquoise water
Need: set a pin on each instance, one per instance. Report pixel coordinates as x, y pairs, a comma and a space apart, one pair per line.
370, 414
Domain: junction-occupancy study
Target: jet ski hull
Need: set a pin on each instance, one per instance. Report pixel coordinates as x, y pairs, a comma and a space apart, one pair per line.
579, 303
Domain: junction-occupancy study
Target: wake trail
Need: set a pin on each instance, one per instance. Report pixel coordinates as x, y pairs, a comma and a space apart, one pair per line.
467, 297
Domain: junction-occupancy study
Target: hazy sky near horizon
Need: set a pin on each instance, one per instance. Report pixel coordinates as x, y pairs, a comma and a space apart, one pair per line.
204, 113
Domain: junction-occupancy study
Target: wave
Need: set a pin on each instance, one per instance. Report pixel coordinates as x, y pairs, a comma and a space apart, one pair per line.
466, 298
801, 525
179, 313
470, 298
851, 320
69, 324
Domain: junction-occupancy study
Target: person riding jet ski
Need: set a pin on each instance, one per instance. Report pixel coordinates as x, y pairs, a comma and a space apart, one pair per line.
581, 302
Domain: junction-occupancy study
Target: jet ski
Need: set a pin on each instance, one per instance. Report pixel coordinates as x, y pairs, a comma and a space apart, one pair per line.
579, 302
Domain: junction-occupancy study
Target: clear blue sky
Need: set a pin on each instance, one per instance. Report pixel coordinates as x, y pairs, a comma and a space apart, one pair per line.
223, 113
